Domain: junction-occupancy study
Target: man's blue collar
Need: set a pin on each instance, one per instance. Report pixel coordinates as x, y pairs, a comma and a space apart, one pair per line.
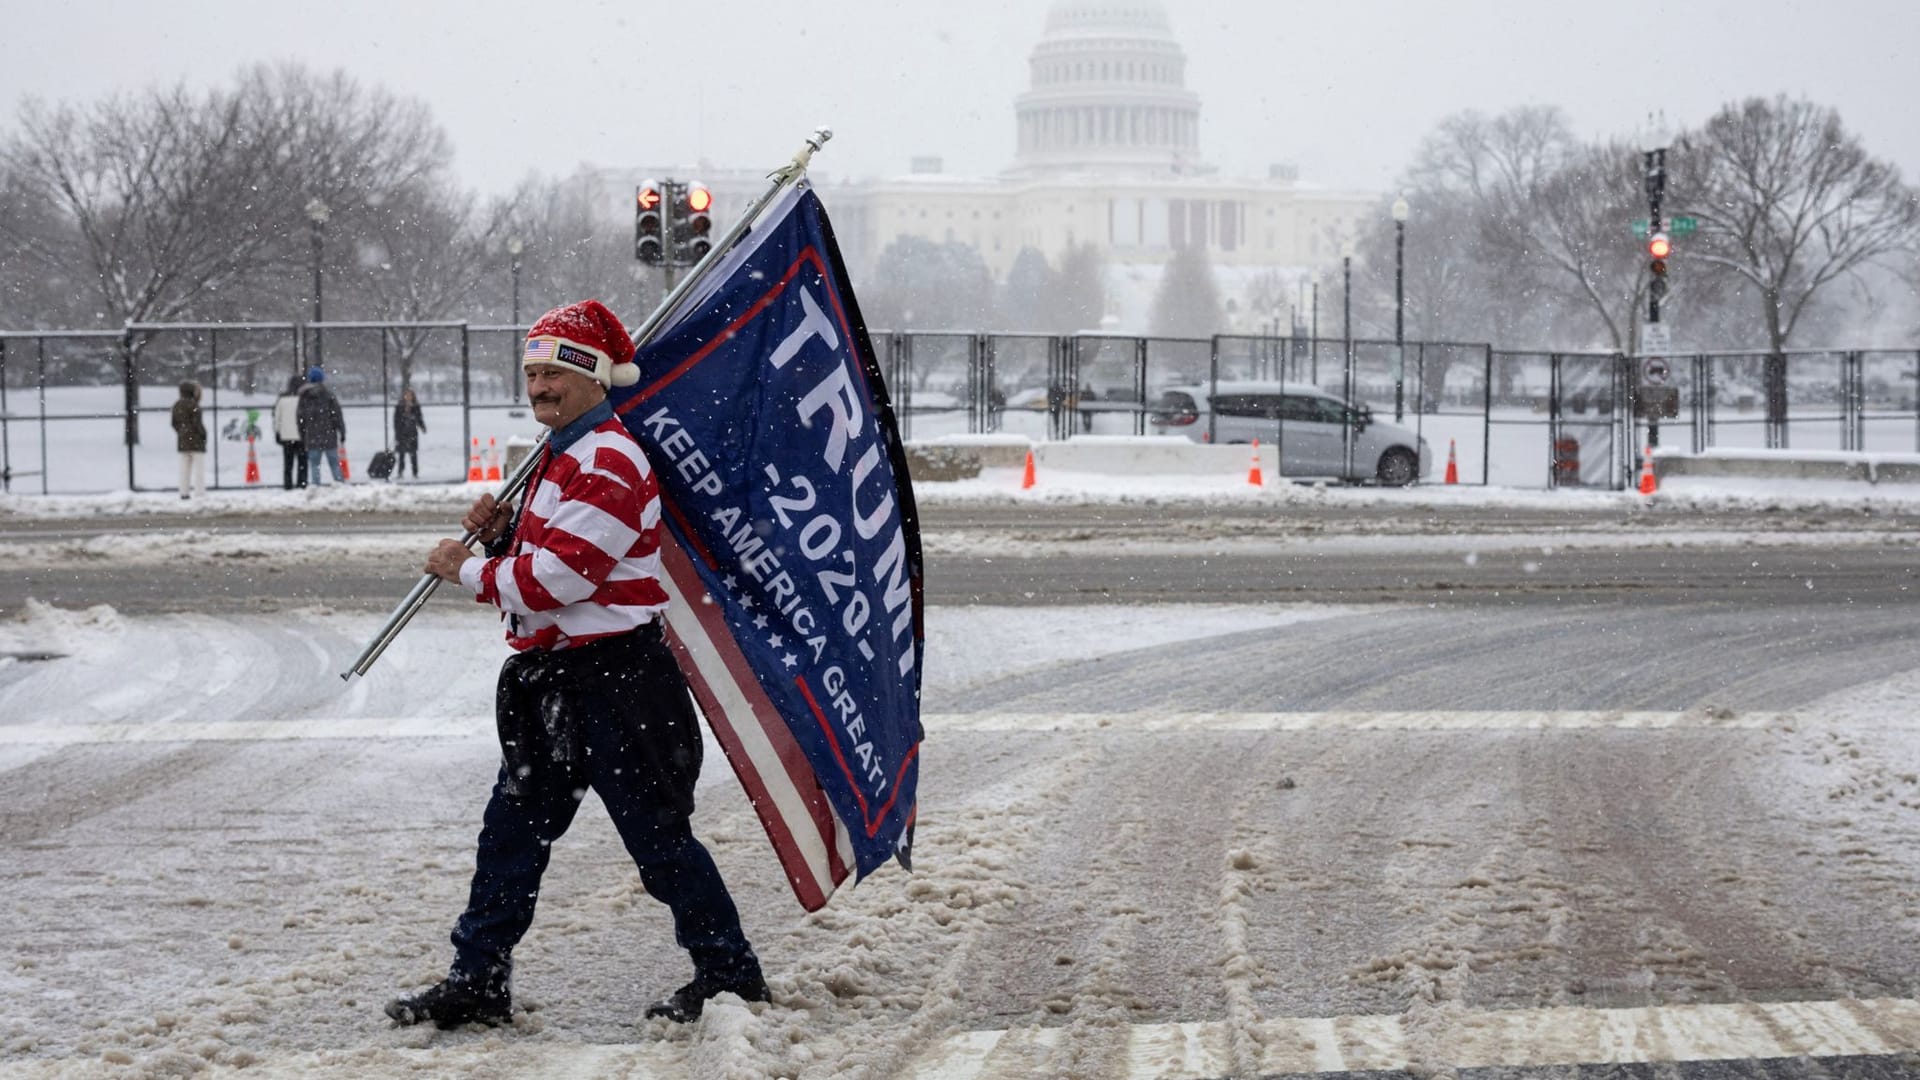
582, 424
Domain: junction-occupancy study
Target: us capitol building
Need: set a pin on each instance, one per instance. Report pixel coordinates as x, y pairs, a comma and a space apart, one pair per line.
1107, 153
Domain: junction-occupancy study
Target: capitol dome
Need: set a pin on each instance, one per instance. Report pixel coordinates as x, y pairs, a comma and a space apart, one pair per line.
1107, 94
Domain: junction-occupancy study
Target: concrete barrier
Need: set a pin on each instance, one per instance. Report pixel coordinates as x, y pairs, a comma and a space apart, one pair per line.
962, 457
517, 449
1125, 455
1831, 465
1896, 472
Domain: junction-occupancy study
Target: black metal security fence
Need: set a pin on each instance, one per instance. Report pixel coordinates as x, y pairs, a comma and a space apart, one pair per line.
86, 411
89, 411
1494, 411
1861, 400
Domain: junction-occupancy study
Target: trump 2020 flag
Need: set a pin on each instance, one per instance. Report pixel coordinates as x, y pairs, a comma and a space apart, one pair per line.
796, 576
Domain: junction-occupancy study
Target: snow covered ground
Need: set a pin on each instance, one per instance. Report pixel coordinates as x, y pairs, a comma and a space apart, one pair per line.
253, 915
221, 858
1002, 487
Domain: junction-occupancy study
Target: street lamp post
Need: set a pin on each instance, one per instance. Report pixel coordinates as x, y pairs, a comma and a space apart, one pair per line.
1313, 332
1346, 336
1296, 329
515, 246
317, 214
1400, 210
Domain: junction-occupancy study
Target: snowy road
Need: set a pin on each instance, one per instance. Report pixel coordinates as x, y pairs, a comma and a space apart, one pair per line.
1504, 832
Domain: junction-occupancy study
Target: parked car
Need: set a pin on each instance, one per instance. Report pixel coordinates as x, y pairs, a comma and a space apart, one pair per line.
1306, 423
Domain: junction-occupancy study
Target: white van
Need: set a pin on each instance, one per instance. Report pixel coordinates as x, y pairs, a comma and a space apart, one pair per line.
1306, 423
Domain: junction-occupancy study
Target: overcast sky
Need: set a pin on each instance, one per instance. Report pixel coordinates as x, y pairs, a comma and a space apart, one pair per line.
1344, 88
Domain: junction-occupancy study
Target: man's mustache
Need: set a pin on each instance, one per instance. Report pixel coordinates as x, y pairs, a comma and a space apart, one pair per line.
544, 399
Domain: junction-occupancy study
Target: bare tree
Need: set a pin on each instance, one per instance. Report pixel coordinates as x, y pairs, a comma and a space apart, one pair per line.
154, 190
180, 203
1794, 202
419, 256
1573, 223
29, 295
1474, 185
575, 245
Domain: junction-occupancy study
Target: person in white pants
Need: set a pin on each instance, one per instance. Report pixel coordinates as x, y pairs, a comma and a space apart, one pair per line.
190, 432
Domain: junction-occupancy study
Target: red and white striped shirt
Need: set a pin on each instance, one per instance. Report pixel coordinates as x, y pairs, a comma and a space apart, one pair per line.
585, 562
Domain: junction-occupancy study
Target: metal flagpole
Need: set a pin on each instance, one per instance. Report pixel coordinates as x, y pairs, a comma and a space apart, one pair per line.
779, 180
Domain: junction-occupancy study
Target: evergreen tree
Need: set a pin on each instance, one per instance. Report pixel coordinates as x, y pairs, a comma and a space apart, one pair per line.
1187, 304
923, 285
1079, 297
1027, 293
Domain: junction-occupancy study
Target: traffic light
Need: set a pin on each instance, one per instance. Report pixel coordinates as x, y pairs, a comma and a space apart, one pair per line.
1659, 247
693, 229
649, 237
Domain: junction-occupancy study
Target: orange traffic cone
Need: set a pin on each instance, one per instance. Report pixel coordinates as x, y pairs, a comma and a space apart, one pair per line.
1648, 483
474, 474
493, 460
1453, 464
1253, 474
1026, 480
346, 471
253, 464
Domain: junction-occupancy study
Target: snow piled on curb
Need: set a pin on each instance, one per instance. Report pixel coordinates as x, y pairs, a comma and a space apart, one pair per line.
1001, 487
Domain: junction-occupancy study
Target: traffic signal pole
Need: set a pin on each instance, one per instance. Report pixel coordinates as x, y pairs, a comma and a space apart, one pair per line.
670, 195
1656, 229
1658, 247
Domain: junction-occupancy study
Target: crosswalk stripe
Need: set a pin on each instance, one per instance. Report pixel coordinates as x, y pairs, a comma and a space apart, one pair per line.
1463, 1039
1440, 1037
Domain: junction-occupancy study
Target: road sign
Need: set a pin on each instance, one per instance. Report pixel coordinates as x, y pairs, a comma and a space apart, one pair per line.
1684, 225
1655, 398
1656, 339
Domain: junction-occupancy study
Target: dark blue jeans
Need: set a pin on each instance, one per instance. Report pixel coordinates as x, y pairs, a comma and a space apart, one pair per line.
613, 716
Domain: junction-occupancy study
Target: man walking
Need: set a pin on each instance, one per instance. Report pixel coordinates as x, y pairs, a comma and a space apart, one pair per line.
322, 427
591, 698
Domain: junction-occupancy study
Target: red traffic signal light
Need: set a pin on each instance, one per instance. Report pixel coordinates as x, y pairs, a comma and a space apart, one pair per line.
692, 231
1659, 246
648, 230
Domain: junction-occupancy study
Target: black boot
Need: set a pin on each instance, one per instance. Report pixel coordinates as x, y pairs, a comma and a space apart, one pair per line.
453, 1002
687, 1002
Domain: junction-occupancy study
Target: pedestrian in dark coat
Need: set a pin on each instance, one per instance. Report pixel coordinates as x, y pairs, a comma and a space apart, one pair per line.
322, 427
408, 423
190, 436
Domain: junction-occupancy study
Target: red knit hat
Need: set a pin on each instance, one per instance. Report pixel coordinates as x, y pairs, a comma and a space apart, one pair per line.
583, 337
